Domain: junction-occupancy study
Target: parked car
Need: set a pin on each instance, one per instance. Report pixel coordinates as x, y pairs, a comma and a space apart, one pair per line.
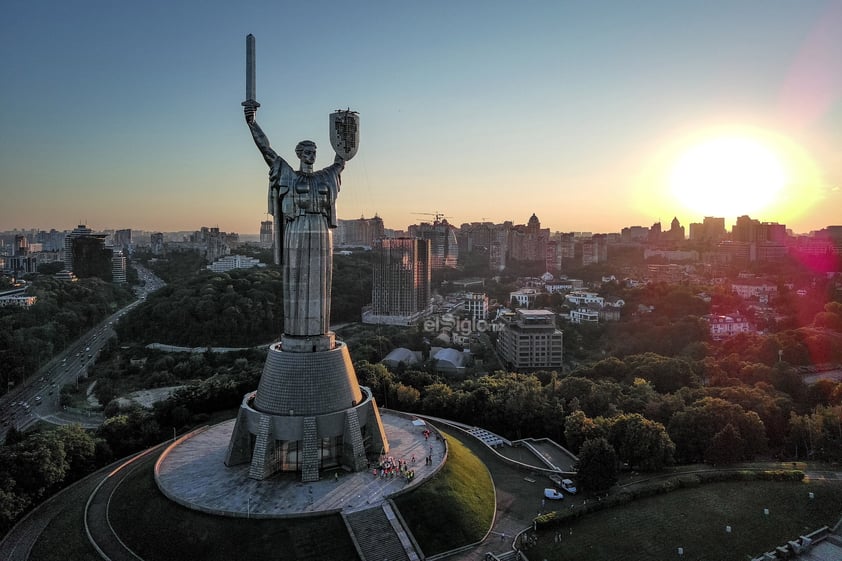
569, 486
552, 494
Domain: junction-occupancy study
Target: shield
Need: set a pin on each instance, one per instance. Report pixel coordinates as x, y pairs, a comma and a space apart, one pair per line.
345, 133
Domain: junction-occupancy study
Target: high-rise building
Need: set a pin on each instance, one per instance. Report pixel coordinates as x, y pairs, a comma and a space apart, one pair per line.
712, 229
633, 234
528, 243
52, 240
91, 258
156, 243
566, 246
123, 240
118, 267
595, 249
360, 232
675, 233
654, 233
401, 284
78, 232
444, 248
530, 340
266, 230
22, 261
746, 229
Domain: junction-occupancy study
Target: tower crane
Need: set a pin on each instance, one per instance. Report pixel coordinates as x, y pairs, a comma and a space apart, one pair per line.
438, 215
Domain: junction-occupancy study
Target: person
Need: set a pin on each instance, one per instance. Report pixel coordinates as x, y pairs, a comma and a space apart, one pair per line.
303, 203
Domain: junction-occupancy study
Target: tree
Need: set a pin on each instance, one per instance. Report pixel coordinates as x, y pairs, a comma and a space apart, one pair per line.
578, 428
694, 428
597, 466
726, 447
642, 443
405, 398
12, 504
40, 463
79, 449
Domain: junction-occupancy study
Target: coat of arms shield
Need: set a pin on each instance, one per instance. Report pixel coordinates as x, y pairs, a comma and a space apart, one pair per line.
345, 133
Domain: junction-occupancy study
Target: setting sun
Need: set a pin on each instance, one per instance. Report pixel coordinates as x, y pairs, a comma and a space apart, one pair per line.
728, 176
728, 171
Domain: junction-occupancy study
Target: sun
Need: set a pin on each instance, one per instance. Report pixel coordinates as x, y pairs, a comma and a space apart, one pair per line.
728, 176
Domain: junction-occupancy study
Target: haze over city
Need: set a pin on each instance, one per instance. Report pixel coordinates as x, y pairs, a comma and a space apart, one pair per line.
594, 116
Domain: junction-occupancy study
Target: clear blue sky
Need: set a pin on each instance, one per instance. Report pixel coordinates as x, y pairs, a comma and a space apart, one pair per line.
127, 114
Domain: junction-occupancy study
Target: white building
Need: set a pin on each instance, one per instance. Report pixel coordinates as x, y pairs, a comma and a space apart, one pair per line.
476, 306
230, 262
722, 327
581, 298
524, 297
757, 289
584, 315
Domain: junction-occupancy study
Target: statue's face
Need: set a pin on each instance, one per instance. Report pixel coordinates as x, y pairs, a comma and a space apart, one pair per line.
308, 155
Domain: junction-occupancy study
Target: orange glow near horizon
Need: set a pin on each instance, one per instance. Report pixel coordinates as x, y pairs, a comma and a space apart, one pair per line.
731, 171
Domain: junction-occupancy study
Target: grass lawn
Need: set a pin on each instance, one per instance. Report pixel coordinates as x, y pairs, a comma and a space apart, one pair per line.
695, 519
140, 512
455, 507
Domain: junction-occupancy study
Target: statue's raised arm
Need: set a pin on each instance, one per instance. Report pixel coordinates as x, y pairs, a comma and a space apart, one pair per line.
260, 138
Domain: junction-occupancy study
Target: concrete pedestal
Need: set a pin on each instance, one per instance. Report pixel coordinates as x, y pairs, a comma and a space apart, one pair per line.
308, 412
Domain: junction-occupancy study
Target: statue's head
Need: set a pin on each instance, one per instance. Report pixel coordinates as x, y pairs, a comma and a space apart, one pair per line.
306, 152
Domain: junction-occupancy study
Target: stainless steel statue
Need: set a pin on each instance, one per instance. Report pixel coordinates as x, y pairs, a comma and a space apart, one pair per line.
309, 412
303, 203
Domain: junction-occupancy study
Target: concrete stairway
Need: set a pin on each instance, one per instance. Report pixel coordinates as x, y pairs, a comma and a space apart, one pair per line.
380, 536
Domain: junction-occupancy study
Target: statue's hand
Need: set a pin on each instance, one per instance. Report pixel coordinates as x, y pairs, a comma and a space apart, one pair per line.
249, 111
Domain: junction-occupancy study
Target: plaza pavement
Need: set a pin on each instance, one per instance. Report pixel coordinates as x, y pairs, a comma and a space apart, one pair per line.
192, 472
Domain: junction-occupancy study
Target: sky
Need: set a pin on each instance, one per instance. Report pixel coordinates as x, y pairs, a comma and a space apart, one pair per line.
594, 115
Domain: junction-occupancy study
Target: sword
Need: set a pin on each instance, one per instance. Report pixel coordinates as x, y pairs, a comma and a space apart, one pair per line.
251, 80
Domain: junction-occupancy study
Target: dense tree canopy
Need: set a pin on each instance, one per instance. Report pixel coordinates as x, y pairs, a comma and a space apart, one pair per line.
237, 308
29, 337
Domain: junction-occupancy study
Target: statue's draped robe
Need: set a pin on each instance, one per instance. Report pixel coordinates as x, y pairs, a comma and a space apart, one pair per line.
306, 202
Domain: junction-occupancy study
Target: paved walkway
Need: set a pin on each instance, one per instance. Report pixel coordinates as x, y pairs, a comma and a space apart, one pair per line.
193, 473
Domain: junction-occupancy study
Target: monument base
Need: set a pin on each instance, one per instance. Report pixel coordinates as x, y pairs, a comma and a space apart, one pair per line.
285, 425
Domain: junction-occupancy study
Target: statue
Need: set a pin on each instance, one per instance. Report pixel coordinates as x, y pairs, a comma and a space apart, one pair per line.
303, 204
309, 411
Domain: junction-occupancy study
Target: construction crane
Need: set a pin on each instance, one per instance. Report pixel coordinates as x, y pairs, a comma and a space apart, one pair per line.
438, 215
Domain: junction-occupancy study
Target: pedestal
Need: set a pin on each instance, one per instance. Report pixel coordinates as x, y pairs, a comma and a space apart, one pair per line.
308, 413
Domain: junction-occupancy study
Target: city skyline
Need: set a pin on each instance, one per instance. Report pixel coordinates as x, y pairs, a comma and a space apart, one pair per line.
130, 117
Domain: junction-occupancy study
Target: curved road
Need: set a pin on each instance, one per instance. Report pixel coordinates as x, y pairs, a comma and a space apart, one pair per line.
97, 524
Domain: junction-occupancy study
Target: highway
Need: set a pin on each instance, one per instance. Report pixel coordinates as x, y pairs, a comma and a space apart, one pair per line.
38, 397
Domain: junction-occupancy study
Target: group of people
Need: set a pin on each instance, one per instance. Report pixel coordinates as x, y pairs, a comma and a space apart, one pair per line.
390, 468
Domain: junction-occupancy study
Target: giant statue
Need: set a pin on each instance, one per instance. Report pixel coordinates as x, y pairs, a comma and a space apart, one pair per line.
309, 412
303, 203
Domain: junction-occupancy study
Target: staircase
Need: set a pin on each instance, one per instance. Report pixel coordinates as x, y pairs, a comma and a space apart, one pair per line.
380, 536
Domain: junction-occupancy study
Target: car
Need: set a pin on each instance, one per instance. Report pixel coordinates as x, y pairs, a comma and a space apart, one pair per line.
569, 486
553, 494
37, 400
